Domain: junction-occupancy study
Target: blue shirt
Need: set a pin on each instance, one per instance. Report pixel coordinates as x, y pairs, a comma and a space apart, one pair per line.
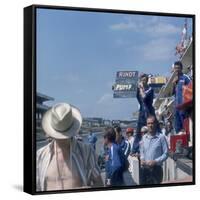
154, 148
115, 156
146, 101
114, 161
125, 147
92, 138
183, 80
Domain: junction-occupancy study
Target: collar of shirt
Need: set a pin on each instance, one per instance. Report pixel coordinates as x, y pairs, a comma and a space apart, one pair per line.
152, 136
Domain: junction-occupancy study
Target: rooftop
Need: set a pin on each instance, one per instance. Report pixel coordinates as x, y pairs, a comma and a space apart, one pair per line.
42, 97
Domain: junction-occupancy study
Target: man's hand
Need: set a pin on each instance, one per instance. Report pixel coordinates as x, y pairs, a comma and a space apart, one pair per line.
106, 157
151, 163
135, 155
108, 182
141, 89
142, 162
141, 86
175, 80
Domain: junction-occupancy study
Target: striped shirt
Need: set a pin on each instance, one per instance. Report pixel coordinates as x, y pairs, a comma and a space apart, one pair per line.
125, 147
82, 158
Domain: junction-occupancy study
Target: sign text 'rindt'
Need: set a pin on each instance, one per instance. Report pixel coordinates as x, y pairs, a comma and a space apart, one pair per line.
126, 74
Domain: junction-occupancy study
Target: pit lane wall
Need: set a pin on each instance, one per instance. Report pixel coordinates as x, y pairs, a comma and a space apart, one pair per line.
176, 168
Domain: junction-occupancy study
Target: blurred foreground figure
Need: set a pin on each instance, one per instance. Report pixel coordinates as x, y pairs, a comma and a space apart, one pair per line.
65, 163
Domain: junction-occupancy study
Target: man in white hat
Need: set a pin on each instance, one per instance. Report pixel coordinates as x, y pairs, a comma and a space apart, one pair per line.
65, 163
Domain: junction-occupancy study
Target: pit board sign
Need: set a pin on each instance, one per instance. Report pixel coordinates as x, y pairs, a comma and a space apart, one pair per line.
125, 84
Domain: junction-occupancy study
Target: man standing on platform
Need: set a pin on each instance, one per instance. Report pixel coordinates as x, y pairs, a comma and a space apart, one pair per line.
145, 95
153, 152
179, 81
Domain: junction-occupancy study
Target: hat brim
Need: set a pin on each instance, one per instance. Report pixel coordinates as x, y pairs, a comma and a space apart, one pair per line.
74, 129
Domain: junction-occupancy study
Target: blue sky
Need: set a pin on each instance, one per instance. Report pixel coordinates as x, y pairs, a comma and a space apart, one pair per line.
79, 53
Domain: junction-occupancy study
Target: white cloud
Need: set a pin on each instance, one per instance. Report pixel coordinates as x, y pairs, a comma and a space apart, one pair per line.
124, 26
159, 44
151, 25
163, 29
158, 49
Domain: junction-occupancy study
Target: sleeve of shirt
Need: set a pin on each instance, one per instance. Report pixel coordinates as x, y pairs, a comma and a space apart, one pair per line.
112, 155
136, 143
126, 149
42, 159
141, 146
164, 147
187, 79
149, 94
95, 171
138, 97
38, 185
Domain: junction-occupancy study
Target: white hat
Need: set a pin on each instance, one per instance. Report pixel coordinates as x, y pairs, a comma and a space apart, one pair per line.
62, 121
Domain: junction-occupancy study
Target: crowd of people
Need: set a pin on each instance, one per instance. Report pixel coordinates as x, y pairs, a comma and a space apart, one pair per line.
153, 151
151, 141
68, 163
